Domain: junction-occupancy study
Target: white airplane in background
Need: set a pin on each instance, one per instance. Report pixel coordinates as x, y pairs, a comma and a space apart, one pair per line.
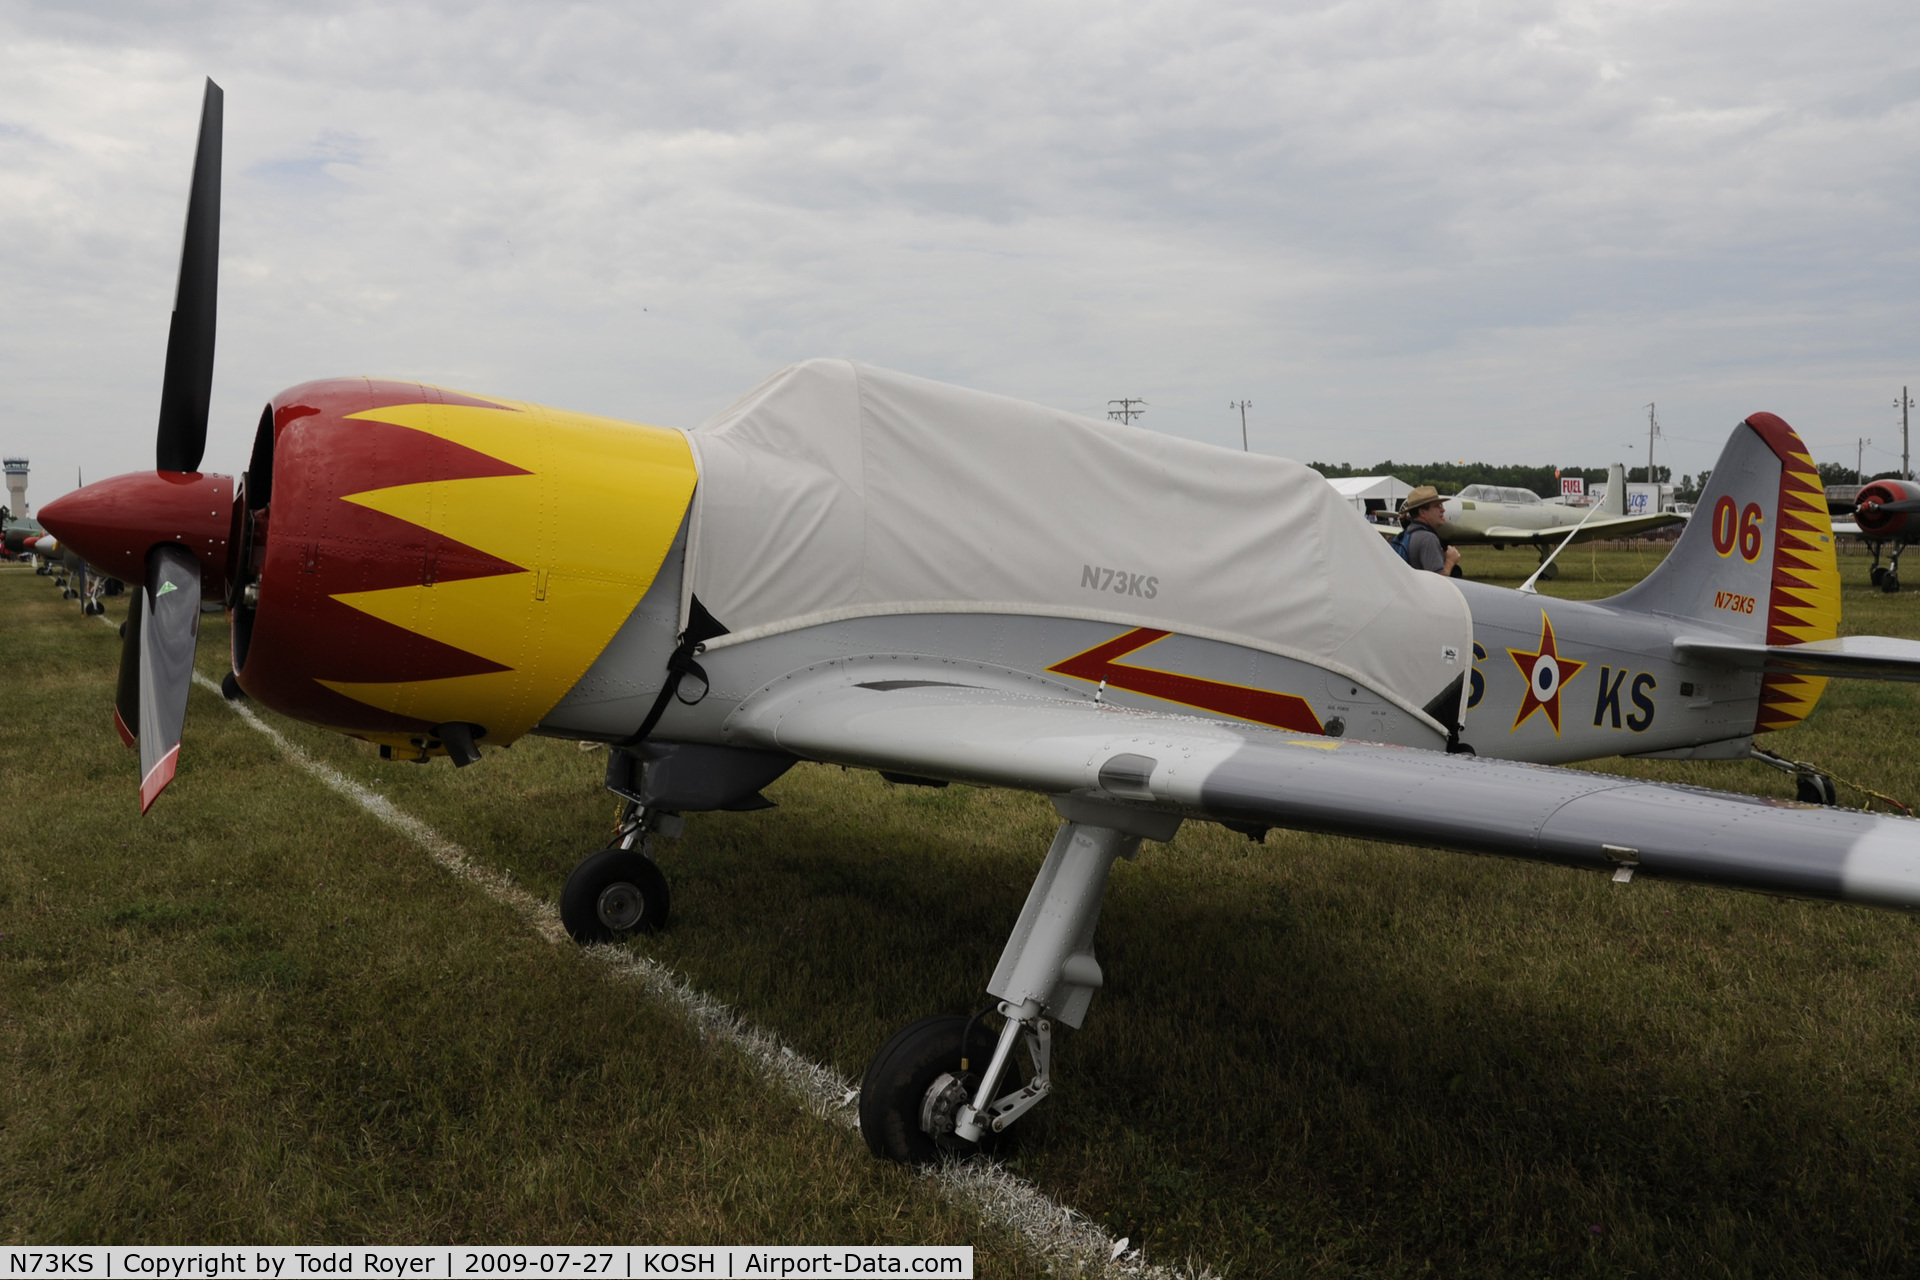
1502, 516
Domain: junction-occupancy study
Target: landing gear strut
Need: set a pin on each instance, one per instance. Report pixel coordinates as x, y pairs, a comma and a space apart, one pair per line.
1887, 577
927, 1093
620, 891
1810, 786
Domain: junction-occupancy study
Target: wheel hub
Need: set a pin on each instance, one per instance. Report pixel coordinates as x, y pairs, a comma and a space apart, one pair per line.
620, 906
940, 1108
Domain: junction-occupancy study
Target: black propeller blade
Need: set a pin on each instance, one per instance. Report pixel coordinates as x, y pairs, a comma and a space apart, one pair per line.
1906, 506
168, 634
189, 377
163, 626
126, 696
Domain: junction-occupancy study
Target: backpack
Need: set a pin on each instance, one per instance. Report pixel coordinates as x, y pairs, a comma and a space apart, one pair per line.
1403, 543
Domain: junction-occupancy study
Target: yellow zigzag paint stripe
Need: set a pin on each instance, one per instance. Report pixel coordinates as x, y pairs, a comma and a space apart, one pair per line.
1810, 608
591, 524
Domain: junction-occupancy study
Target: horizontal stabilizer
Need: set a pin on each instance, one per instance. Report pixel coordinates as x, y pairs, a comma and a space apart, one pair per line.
1861, 657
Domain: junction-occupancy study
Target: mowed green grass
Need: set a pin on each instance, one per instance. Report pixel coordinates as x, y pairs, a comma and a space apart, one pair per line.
259, 1015
1313, 1056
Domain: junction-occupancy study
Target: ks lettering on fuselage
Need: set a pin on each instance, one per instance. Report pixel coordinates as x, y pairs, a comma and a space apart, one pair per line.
1119, 581
1606, 706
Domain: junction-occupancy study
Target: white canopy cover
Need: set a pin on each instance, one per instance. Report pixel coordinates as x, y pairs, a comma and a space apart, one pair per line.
836, 490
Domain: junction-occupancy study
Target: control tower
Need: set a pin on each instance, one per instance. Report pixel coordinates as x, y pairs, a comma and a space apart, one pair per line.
16, 469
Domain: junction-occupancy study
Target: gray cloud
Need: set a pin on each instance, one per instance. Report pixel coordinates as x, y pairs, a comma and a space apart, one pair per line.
1491, 230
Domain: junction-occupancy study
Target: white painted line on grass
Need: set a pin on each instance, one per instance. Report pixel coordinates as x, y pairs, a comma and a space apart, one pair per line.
1051, 1231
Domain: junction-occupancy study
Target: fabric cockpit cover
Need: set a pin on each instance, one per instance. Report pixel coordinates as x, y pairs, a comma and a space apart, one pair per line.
836, 490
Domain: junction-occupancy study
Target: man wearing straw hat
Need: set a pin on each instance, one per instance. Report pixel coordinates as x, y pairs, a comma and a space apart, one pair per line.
1421, 514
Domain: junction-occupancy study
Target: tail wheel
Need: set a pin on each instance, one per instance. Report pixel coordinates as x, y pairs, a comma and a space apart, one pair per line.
918, 1081
1815, 788
614, 894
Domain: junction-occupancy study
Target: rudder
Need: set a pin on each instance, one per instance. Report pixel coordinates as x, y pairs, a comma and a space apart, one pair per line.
1757, 558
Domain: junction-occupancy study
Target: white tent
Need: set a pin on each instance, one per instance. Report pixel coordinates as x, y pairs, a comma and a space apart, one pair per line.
1368, 494
835, 490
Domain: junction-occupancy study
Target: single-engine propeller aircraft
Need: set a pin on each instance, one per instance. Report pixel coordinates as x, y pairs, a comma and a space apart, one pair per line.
68, 570
1500, 516
865, 568
13, 537
1884, 515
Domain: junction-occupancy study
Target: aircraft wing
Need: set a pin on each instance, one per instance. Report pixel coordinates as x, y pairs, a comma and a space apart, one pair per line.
1846, 529
1617, 527
1113, 766
1864, 657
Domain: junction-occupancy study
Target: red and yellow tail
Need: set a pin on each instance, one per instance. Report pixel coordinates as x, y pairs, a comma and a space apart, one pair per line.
1757, 559
1804, 601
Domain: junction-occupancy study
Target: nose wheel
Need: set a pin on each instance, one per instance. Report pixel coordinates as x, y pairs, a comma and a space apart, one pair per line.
612, 895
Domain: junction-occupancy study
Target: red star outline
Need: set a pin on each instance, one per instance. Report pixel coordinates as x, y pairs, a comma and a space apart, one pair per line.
1526, 661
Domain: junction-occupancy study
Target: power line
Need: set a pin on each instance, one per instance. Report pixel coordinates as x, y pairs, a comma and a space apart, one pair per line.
1126, 412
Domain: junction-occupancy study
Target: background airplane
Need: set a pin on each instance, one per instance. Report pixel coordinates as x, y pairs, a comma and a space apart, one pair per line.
865, 568
18, 529
1884, 516
1503, 516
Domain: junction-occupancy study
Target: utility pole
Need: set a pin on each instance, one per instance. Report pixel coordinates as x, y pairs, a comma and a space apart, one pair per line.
1126, 412
1859, 450
1904, 403
1241, 405
1653, 429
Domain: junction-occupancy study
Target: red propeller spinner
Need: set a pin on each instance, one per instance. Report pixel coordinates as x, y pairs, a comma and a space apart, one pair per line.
1885, 508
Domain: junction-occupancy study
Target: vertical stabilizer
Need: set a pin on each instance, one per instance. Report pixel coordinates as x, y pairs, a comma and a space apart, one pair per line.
1615, 503
1756, 560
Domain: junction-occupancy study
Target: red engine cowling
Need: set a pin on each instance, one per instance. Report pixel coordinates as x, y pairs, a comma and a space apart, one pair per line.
302, 544
1870, 515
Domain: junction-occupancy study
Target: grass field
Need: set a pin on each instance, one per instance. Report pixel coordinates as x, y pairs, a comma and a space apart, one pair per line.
257, 1015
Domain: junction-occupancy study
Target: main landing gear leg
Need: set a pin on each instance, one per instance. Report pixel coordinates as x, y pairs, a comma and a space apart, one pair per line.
926, 1092
1890, 580
621, 891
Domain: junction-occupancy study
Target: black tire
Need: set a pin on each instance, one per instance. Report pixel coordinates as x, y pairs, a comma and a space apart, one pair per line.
1551, 572
1890, 582
1815, 788
906, 1068
614, 894
1876, 573
230, 687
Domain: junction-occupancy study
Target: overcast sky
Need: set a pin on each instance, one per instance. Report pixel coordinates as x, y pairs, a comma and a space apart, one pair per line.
1473, 231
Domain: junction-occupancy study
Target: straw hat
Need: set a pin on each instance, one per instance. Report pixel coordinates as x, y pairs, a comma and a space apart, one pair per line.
1419, 498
